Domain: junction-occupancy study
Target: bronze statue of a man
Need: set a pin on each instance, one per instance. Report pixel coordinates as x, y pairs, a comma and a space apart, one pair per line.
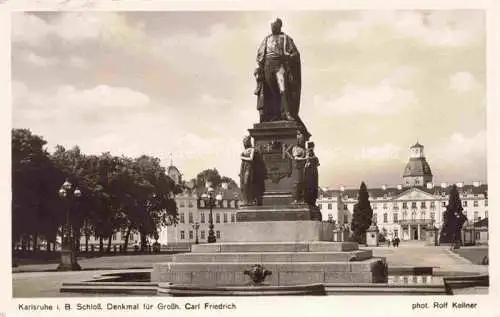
299, 157
278, 76
251, 174
311, 175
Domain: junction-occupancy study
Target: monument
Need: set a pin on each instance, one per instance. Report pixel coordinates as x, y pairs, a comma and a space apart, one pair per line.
278, 232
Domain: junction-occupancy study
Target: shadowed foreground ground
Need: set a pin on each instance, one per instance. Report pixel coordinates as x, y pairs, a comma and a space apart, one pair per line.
46, 284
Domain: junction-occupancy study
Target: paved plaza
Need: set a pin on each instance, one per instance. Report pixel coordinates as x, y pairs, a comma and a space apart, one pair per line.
35, 281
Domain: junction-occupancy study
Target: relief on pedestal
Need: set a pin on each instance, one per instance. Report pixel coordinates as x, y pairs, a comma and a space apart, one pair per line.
278, 160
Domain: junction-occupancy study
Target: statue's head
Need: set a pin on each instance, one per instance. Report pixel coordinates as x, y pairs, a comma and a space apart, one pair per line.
247, 141
310, 147
276, 26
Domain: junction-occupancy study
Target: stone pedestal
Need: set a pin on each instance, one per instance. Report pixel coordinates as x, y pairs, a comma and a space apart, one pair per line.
275, 141
296, 263
279, 231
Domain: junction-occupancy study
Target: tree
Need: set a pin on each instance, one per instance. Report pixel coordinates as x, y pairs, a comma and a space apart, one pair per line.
362, 215
208, 175
33, 190
453, 219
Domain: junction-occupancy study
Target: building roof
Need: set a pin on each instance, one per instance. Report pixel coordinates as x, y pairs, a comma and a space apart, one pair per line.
417, 145
417, 167
394, 191
231, 193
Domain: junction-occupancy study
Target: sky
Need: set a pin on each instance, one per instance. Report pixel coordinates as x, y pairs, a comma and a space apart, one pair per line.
179, 86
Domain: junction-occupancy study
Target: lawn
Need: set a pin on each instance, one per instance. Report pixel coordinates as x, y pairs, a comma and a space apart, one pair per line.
475, 255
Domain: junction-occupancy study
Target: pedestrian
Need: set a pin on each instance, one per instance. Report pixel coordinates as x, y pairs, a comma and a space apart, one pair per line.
394, 242
388, 242
397, 242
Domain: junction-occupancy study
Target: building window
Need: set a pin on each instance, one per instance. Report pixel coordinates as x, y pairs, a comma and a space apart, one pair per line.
464, 203
375, 207
225, 218
384, 206
329, 206
385, 217
217, 218
396, 233
233, 218
190, 204
433, 205
433, 215
182, 218
202, 217
190, 234
405, 215
443, 204
422, 215
395, 217
114, 236
423, 205
405, 205
181, 203
346, 219
374, 219
190, 217
413, 215
486, 203
476, 203
476, 215
218, 234
202, 233
345, 207
465, 213
182, 235
320, 206
486, 214
414, 205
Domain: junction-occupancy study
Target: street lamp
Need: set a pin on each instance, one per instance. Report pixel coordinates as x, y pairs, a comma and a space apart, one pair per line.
211, 199
196, 226
68, 254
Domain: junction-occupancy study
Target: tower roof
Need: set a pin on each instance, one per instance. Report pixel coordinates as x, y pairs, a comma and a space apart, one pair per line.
417, 167
417, 145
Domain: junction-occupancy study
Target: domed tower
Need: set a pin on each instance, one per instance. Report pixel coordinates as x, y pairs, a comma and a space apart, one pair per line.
174, 174
417, 171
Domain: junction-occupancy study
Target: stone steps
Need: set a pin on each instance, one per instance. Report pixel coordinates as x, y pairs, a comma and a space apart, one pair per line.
275, 247
259, 257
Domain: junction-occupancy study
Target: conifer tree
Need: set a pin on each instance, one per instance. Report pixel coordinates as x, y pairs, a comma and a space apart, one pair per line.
453, 219
362, 215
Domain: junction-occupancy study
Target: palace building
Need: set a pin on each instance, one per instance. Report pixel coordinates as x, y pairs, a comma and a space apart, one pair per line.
194, 213
407, 209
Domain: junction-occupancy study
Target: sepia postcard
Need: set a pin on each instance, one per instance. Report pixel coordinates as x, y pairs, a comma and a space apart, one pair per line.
235, 158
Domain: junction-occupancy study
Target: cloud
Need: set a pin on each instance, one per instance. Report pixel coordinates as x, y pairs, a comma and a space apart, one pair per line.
462, 82
459, 148
101, 97
436, 28
383, 99
40, 61
384, 152
78, 62
74, 27
29, 29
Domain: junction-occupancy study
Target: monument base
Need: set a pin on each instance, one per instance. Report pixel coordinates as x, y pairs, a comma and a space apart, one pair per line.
289, 212
279, 231
294, 263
